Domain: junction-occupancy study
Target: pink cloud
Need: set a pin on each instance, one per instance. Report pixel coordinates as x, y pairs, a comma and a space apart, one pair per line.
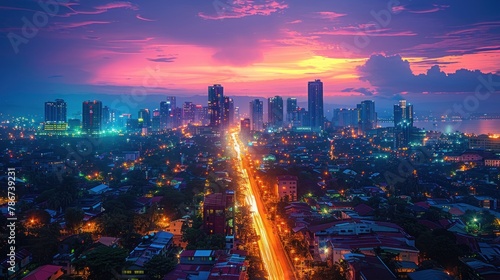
242, 8
98, 9
117, 5
436, 8
329, 15
365, 29
143, 18
78, 24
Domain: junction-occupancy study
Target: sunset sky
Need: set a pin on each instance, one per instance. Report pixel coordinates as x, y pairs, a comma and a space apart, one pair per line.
362, 49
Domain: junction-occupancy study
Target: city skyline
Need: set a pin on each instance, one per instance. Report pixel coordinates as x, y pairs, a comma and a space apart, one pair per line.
250, 140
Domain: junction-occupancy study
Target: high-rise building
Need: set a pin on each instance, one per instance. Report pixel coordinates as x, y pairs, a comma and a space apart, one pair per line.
256, 115
55, 111
172, 100
245, 128
291, 110
315, 104
106, 117
55, 116
92, 117
205, 116
188, 112
303, 117
155, 124
166, 114
199, 116
345, 117
275, 111
367, 117
215, 104
228, 112
177, 117
403, 124
144, 118
236, 114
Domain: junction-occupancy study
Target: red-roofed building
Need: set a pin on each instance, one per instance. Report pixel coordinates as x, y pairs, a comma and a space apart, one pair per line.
46, 272
210, 265
364, 210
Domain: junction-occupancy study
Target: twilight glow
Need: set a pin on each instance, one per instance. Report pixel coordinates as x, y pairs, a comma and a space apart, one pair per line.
358, 48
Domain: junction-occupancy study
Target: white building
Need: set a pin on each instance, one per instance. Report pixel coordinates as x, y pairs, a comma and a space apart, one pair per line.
286, 187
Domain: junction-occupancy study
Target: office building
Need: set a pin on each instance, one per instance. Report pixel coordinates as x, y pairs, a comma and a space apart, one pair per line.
55, 111
245, 129
144, 118
275, 111
188, 112
228, 112
403, 124
345, 117
92, 117
291, 110
256, 115
367, 117
315, 104
155, 123
166, 114
215, 104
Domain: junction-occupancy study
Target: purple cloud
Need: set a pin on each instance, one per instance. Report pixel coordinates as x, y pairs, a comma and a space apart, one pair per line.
392, 75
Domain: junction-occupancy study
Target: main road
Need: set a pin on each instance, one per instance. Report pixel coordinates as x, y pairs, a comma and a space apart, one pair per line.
273, 254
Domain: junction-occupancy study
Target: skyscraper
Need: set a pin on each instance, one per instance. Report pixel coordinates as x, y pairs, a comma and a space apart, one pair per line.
346, 117
256, 115
155, 123
315, 104
144, 117
92, 117
172, 100
215, 104
275, 111
403, 124
367, 117
55, 112
188, 112
291, 110
166, 114
228, 112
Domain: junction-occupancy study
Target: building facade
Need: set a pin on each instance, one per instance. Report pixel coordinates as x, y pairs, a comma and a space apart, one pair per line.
256, 115
215, 104
315, 104
92, 117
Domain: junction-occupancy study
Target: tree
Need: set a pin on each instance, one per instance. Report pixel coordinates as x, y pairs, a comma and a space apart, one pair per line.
333, 272
74, 218
160, 265
103, 262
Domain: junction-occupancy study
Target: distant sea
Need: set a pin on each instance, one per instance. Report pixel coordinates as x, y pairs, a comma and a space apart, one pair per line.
466, 126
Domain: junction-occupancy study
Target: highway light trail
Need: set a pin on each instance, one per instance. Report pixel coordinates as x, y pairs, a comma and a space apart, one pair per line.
272, 252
